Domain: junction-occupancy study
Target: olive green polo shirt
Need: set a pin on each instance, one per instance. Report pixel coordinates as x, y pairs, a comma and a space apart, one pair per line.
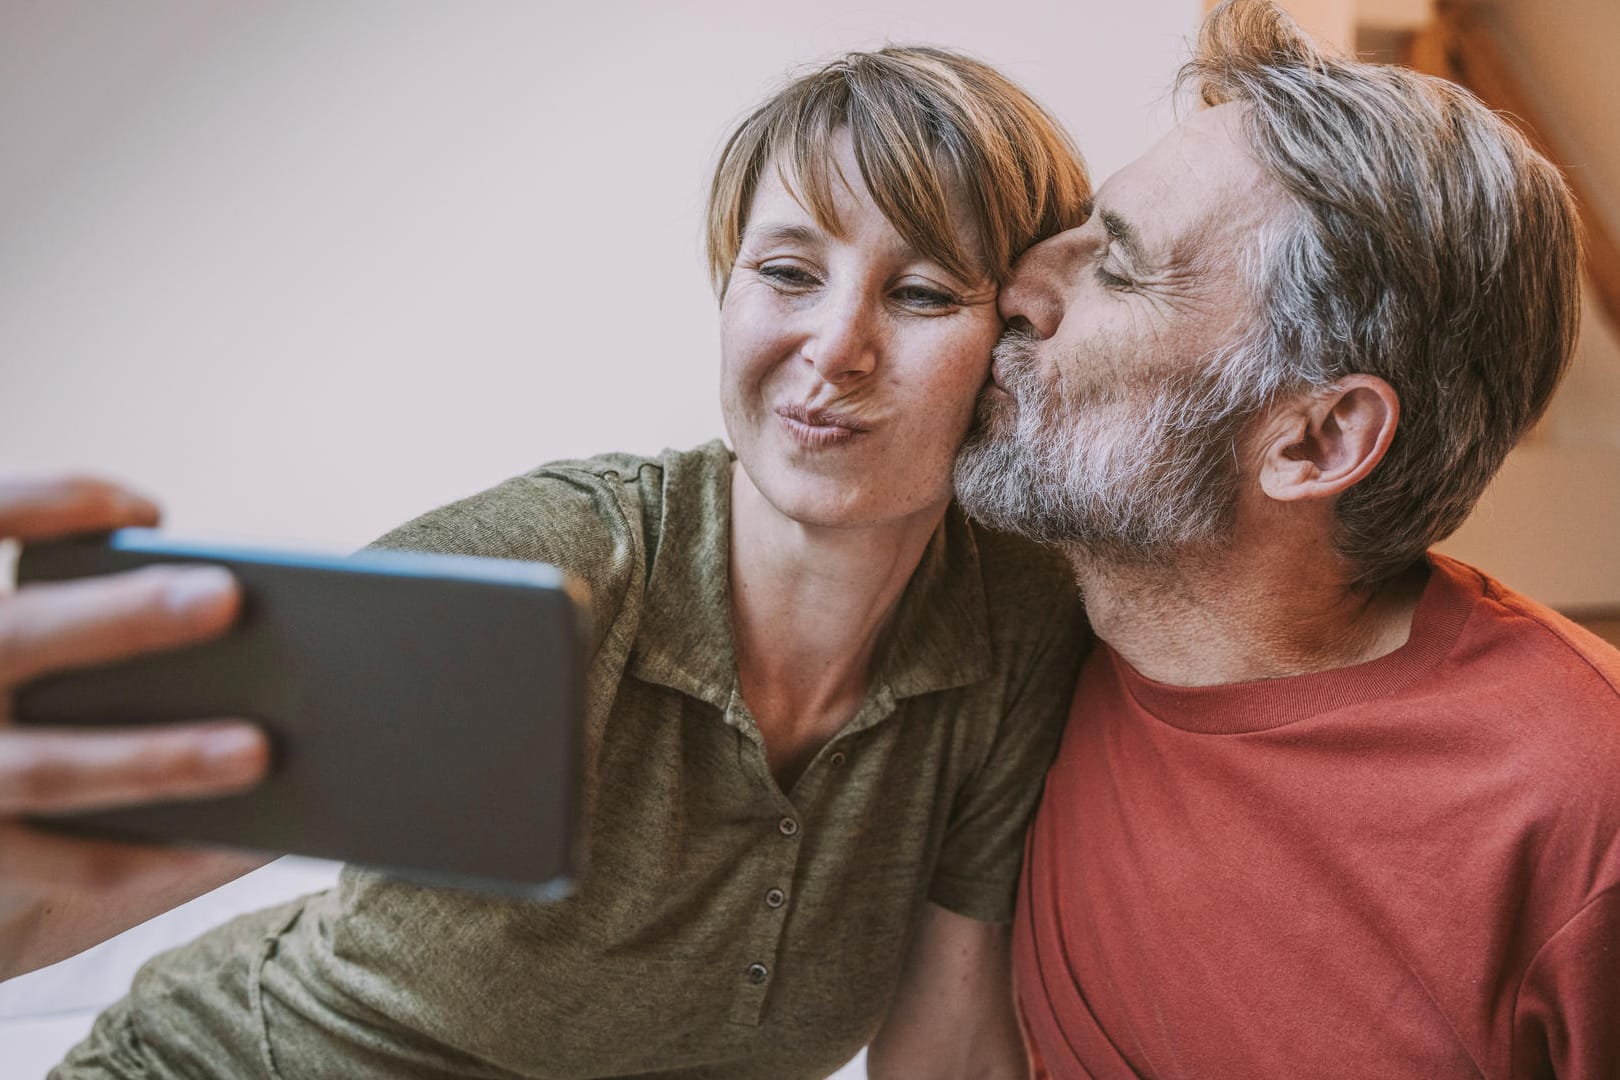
724, 927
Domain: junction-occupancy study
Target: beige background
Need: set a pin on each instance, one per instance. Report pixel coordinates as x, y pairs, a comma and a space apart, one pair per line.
1551, 523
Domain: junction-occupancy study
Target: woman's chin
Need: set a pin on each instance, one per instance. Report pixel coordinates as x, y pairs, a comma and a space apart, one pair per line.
826, 503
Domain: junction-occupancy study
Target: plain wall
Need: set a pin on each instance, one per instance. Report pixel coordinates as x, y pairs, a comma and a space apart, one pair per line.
1550, 525
304, 270
1562, 56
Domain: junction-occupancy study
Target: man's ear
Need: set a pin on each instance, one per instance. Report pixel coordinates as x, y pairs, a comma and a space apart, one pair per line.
1317, 445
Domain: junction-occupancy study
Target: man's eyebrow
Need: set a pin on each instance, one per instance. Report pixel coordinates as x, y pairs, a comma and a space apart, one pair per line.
1125, 235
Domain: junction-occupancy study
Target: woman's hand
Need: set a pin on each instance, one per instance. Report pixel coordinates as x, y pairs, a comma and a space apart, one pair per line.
46, 878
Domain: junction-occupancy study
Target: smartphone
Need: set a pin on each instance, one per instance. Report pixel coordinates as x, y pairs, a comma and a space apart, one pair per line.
424, 711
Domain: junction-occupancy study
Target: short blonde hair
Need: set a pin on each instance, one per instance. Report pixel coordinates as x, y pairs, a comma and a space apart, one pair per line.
926, 123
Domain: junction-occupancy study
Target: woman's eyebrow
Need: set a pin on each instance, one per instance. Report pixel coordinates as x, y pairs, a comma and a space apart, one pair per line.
781, 234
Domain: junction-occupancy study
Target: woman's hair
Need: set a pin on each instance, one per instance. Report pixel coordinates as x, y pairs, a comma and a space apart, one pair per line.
927, 124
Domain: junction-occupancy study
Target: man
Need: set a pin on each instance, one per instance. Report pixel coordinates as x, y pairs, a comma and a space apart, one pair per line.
1326, 805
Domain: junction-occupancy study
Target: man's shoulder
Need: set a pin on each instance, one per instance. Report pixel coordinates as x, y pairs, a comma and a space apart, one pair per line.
1512, 638
1543, 691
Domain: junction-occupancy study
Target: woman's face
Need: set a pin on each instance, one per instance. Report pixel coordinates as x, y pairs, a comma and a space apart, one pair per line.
850, 363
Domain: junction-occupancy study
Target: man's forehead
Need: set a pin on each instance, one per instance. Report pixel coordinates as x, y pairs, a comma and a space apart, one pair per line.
1199, 180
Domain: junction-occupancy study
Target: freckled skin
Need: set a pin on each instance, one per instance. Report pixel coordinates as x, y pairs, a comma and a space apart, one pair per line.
864, 327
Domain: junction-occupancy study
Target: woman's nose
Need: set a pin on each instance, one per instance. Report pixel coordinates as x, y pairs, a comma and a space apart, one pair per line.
844, 341
1034, 294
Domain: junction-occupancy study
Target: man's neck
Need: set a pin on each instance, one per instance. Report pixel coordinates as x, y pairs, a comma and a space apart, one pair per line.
1244, 613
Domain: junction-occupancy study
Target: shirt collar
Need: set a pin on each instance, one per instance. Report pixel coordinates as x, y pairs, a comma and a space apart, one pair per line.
940, 637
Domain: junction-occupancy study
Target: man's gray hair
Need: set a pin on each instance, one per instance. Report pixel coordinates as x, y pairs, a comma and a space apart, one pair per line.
1432, 247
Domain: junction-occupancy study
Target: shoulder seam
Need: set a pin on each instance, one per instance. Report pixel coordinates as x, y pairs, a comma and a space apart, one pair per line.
603, 471
1591, 901
1499, 596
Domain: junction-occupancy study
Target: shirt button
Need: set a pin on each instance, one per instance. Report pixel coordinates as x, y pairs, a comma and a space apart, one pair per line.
758, 973
788, 826
839, 757
775, 898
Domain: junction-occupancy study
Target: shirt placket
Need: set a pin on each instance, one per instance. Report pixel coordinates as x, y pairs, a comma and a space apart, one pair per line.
774, 866
776, 859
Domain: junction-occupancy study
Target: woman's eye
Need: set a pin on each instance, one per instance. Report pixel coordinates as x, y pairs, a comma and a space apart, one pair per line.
917, 296
786, 275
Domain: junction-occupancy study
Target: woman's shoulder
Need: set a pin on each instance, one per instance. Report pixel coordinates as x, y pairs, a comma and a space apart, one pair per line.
596, 518
706, 462
557, 506
1020, 573
1031, 599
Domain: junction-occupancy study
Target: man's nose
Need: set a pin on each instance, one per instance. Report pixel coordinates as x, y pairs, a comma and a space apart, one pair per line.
1034, 294
843, 342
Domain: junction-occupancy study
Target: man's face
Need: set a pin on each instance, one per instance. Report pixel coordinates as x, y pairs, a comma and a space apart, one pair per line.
1108, 425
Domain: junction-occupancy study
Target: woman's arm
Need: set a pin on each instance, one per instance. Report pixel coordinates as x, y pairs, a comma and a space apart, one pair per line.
116, 886
952, 1016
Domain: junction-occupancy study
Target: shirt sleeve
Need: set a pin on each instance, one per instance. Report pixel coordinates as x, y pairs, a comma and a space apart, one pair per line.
570, 516
1567, 1019
977, 872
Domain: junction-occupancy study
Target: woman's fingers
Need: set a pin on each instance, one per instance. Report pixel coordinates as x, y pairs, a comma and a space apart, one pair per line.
49, 771
44, 771
43, 509
97, 620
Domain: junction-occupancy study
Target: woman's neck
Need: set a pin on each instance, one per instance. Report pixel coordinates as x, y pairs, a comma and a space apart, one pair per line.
809, 607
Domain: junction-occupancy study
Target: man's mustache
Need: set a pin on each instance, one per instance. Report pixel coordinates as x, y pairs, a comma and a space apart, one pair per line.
1013, 358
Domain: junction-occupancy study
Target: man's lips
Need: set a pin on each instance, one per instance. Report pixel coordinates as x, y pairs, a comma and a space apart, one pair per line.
995, 375
997, 380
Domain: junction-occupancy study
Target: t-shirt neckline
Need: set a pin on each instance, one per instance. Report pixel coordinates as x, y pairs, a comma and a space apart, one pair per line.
1235, 708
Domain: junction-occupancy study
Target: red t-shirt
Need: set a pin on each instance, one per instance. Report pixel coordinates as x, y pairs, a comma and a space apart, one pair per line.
1405, 868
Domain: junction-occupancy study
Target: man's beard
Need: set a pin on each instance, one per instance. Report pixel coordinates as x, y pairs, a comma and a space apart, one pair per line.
1138, 473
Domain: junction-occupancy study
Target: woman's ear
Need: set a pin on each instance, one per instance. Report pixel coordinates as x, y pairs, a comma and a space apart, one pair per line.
1323, 442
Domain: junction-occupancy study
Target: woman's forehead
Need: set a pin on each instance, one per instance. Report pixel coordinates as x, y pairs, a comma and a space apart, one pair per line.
826, 186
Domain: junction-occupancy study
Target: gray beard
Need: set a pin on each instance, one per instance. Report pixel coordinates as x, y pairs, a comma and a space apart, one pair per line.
1143, 475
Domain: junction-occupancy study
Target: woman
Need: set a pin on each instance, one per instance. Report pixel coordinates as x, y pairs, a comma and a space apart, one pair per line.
820, 702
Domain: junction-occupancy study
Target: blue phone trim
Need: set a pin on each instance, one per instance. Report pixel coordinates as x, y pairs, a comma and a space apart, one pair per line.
418, 564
